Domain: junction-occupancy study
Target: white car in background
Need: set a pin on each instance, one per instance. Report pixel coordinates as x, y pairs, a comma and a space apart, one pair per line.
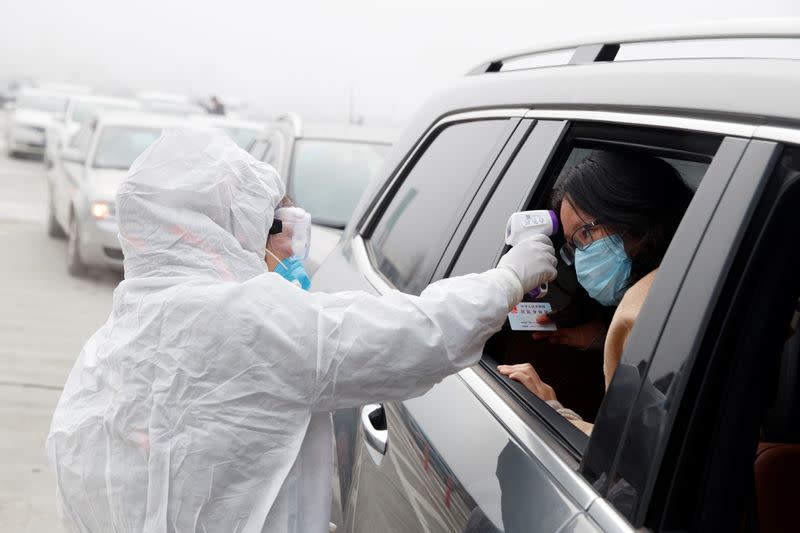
326, 169
80, 109
10, 87
169, 104
28, 119
243, 132
82, 189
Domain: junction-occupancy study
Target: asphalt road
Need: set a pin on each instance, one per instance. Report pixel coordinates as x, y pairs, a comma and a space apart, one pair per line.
45, 317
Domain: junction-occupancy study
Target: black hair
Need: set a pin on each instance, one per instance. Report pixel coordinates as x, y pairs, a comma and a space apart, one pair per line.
639, 196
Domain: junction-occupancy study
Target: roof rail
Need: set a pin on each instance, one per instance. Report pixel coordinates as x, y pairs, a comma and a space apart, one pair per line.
589, 53
294, 120
605, 49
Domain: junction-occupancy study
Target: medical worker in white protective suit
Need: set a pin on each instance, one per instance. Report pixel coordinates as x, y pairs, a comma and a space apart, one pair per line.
203, 403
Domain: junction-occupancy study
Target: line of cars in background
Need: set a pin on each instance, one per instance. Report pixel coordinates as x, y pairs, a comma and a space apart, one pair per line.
88, 141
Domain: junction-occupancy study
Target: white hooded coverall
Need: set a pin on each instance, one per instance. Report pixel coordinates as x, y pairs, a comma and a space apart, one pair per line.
203, 403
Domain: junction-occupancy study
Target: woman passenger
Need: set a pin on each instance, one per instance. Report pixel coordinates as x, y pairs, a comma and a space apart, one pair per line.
619, 211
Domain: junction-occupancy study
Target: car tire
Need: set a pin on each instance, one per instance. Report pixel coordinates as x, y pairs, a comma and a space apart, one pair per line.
54, 229
75, 265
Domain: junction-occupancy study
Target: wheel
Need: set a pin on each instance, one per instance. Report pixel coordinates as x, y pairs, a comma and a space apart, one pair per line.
75, 265
54, 229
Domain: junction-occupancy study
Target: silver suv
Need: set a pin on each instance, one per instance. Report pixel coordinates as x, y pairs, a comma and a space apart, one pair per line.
699, 428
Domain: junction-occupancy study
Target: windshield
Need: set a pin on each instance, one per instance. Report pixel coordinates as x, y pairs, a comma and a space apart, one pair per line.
83, 110
241, 136
328, 177
119, 146
42, 102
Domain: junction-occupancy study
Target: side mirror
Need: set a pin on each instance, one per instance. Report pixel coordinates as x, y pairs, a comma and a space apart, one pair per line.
72, 155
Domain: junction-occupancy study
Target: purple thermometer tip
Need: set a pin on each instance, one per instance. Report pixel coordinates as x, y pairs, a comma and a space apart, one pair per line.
554, 218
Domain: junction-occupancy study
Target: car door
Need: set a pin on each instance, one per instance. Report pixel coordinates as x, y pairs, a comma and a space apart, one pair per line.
407, 475
479, 452
714, 368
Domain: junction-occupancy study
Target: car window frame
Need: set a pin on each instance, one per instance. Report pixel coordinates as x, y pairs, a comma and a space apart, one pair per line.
569, 436
77, 139
699, 127
386, 194
720, 243
597, 507
762, 274
284, 141
258, 147
94, 139
382, 196
87, 147
516, 143
275, 151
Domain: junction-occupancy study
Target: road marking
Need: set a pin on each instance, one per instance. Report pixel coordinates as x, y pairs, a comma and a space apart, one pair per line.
30, 385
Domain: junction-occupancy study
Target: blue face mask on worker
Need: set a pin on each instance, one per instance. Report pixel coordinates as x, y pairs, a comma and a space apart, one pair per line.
604, 269
292, 270
291, 234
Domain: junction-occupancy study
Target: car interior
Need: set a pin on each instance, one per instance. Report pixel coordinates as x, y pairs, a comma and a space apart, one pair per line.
776, 467
777, 461
576, 374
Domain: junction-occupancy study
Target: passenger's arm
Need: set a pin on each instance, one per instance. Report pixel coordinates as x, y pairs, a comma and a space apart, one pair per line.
527, 375
621, 325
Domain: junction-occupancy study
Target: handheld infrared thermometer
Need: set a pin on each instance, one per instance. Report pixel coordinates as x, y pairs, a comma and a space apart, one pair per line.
524, 224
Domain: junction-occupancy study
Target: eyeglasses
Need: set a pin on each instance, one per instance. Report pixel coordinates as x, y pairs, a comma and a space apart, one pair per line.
580, 240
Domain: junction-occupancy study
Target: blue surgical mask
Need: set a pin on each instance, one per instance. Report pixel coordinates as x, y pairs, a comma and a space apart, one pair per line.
604, 269
292, 270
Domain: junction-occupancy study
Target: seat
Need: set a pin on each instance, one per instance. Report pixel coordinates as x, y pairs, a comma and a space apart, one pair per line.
777, 471
777, 465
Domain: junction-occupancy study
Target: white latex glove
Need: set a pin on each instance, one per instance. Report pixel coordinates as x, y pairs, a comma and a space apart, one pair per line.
533, 261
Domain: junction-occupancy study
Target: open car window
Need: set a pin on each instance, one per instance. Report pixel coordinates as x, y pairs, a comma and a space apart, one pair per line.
575, 373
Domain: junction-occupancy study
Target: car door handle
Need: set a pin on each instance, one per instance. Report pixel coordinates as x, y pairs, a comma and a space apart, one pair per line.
373, 421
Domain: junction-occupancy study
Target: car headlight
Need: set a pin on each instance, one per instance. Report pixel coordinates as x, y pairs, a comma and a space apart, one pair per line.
102, 210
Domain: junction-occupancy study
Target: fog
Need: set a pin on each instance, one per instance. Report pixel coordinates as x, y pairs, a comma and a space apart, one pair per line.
311, 56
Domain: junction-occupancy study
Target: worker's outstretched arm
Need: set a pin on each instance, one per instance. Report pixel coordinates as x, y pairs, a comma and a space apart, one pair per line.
376, 348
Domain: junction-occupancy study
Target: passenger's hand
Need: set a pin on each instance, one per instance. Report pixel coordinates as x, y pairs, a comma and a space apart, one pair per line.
526, 375
532, 260
582, 336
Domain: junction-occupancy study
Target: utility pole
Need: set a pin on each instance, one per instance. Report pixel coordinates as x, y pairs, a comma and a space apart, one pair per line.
352, 118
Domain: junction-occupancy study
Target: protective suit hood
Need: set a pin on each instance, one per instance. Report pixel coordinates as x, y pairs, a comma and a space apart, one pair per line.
195, 204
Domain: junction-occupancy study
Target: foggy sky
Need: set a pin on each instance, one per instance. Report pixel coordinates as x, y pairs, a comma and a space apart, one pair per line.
307, 56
